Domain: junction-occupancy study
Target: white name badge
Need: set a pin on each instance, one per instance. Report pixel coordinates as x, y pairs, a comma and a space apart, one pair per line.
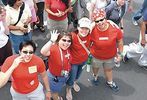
103, 38
32, 69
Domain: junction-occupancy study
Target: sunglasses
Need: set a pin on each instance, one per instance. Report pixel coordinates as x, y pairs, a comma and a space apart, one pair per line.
28, 52
97, 21
64, 40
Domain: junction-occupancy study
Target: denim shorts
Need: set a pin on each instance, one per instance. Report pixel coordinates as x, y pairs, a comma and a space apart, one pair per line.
17, 39
56, 83
108, 63
145, 14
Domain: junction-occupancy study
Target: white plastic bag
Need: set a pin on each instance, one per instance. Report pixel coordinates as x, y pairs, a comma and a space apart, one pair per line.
143, 58
136, 47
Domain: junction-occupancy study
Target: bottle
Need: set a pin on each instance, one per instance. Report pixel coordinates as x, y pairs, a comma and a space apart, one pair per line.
89, 63
117, 63
25, 26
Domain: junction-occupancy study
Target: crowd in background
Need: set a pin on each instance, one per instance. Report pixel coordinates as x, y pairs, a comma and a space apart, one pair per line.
79, 30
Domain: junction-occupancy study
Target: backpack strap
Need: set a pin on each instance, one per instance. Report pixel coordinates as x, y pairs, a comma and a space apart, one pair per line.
20, 13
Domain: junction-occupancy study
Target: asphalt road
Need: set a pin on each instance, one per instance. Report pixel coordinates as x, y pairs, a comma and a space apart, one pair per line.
130, 77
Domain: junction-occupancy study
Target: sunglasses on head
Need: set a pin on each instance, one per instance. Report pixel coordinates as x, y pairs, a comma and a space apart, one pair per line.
97, 21
26, 52
64, 40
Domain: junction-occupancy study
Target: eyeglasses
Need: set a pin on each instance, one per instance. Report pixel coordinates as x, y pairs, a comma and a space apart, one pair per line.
64, 40
26, 52
97, 21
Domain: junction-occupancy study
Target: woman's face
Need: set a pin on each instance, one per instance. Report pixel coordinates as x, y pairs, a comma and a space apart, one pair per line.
27, 53
83, 31
65, 42
2, 14
18, 3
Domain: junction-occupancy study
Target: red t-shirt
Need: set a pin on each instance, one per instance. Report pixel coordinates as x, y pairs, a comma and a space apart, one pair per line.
105, 42
25, 76
78, 53
56, 5
55, 62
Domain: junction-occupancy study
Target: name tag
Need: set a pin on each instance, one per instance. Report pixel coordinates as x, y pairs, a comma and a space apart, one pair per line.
103, 38
32, 69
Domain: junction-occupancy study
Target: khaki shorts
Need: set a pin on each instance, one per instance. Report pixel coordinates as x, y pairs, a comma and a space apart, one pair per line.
37, 94
60, 25
97, 63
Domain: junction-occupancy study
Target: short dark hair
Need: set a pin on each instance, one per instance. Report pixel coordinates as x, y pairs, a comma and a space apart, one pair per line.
11, 2
26, 43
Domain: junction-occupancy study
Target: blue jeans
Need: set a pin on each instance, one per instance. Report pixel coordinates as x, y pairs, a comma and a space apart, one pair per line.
76, 70
56, 86
17, 39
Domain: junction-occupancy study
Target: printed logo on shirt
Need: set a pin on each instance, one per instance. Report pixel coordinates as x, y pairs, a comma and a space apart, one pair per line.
32, 69
103, 38
32, 82
67, 55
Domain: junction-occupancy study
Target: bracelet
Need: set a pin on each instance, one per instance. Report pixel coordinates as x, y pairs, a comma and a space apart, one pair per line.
51, 41
121, 54
48, 91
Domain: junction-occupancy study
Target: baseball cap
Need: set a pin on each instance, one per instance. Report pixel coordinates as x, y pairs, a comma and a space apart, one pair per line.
84, 22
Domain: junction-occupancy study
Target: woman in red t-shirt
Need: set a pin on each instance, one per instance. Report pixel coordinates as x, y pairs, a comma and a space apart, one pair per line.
105, 37
24, 70
79, 54
57, 13
59, 58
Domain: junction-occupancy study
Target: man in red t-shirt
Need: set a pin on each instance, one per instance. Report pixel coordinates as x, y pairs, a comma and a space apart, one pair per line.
105, 37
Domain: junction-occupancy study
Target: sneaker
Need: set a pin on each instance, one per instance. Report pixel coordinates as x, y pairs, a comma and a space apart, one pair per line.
76, 87
60, 98
125, 58
134, 22
144, 67
113, 86
95, 81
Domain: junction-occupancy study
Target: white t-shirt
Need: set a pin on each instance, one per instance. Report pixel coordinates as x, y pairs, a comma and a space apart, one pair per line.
3, 36
29, 2
99, 3
12, 17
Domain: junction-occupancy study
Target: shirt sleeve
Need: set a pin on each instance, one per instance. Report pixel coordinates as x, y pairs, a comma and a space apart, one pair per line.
8, 18
28, 10
119, 34
41, 67
6, 65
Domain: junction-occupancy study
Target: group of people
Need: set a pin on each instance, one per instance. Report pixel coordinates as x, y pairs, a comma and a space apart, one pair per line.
97, 36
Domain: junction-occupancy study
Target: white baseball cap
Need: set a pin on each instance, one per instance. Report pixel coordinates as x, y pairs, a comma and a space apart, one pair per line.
84, 22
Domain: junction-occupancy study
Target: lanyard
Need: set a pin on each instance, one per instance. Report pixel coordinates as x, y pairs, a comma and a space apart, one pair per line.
62, 59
